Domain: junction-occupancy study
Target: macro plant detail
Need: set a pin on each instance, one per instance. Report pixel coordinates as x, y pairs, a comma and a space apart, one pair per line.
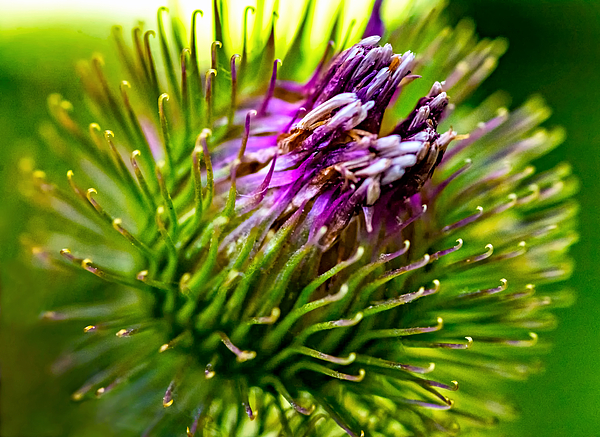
315, 255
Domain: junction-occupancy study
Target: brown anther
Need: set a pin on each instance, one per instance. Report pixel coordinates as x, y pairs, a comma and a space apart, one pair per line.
394, 64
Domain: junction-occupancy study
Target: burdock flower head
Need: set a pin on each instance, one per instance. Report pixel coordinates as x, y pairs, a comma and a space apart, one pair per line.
305, 256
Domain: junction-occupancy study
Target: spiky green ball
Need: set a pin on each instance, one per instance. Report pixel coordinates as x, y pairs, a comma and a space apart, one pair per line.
280, 264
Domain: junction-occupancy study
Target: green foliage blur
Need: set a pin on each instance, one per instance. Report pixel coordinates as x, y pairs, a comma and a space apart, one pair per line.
554, 51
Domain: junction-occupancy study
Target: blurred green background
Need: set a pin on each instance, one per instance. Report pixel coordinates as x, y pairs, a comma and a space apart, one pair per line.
554, 51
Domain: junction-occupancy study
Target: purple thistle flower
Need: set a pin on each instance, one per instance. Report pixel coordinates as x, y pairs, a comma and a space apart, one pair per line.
305, 257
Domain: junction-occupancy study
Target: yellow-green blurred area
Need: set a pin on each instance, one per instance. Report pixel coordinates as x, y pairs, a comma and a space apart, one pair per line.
554, 51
